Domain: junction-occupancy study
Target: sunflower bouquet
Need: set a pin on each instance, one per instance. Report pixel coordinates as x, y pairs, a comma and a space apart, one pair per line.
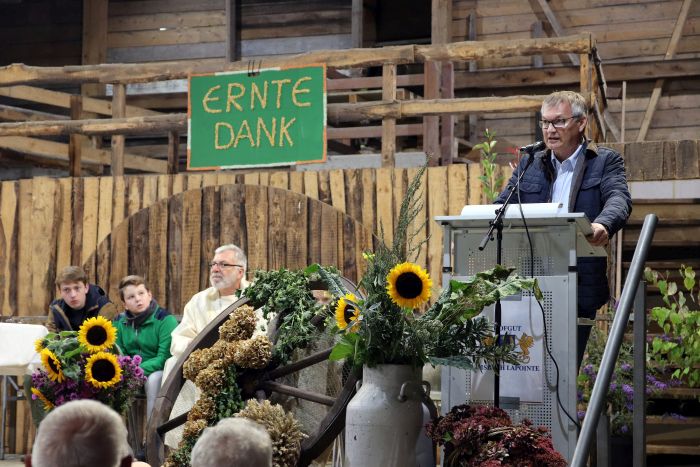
85, 365
394, 322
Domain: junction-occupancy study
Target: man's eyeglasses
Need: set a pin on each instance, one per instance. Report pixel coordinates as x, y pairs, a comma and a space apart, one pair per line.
557, 123
223, 265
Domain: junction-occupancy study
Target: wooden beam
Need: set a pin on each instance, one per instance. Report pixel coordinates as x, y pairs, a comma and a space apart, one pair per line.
52, 150
62, 99
388, 123
560, 76
9, 112
98, 127
556, 27
409, 129
580, 43
145, 72
118, 111
658, 86
432, 107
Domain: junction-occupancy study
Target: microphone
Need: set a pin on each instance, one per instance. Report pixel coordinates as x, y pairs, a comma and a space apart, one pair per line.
533, 148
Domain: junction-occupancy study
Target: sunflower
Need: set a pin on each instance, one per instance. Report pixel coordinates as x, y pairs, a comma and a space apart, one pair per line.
97, 334
408, 285
48, 405
52, 365
346, 312
102, 370
39, 345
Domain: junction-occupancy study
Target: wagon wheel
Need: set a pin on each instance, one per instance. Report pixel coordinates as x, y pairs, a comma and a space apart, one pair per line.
320, 410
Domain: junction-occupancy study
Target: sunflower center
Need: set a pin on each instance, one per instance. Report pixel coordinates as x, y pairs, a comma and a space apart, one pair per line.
349, 313
103, 371
409, 285
54, 365
96, 335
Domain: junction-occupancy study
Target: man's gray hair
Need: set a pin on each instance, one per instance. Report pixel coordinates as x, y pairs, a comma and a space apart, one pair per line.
240, 256
574, 99
233, 441
81, 433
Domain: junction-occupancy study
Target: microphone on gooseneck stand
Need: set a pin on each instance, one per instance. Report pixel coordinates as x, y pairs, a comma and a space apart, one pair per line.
533, 148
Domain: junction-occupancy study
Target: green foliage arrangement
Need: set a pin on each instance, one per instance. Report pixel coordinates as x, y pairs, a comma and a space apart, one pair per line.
679, 346
287, 294
491, 179
387, 325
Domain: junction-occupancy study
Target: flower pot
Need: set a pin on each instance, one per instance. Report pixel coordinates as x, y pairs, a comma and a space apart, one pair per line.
384, 418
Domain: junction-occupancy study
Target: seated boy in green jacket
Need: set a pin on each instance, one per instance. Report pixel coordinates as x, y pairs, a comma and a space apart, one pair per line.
144, 329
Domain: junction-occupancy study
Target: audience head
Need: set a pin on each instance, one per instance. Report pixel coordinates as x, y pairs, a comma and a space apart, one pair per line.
135, 294
227, 269
72, 284
233, 442
81, 433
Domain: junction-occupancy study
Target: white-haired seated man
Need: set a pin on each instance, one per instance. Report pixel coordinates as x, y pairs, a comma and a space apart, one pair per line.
233, 442
79, 434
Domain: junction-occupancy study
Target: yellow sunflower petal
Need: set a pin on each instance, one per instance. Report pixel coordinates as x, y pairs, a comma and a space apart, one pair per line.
346, 313
52, 365
409, 285
39, 345
48, 405
97, 334
102, 370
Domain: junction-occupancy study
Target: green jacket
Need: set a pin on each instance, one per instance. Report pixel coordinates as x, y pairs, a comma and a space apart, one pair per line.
151, 340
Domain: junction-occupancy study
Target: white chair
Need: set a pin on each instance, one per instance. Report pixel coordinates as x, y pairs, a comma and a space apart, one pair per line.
17, 358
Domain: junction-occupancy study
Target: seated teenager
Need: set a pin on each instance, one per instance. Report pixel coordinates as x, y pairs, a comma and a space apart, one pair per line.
144, 329
79, 301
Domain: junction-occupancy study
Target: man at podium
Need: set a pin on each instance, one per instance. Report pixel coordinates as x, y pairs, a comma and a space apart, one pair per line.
583, 177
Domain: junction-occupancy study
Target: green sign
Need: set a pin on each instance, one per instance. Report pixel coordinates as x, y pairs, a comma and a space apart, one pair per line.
271, 117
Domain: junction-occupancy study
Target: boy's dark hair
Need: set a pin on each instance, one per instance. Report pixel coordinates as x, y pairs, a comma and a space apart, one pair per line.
71, 274
131, 280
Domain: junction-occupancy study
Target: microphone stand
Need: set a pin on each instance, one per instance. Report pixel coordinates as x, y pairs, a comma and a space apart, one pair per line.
497, 225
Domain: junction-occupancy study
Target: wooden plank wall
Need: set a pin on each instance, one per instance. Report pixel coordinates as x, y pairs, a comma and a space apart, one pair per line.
622, 29
101, 223
140, 31
41, 32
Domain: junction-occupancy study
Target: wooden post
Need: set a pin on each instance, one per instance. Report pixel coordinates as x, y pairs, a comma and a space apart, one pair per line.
233, 31
95, 15
388, 124
622, 113
357, 23
431, 125
173, 151
118, 111
448, 148
586, 89
473, 118
75, 140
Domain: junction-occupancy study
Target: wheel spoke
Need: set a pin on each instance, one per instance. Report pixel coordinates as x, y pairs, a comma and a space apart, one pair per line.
296, 392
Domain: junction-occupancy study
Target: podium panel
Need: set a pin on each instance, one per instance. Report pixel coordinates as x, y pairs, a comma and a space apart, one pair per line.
531, 390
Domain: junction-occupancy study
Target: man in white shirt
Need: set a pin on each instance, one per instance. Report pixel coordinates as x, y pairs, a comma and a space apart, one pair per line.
227, 277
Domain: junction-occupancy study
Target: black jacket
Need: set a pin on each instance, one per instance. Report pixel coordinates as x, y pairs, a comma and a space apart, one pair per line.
64, 318
598, 189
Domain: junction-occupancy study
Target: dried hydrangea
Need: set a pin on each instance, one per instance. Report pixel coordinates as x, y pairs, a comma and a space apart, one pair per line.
193, 428
240, 324
226, 351
254, 353
211, 379
196, 362
284, 430
203, 409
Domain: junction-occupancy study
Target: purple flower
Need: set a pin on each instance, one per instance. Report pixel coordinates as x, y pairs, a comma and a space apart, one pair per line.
625, 367
580, 414
613, 387
627, 389
624, 429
